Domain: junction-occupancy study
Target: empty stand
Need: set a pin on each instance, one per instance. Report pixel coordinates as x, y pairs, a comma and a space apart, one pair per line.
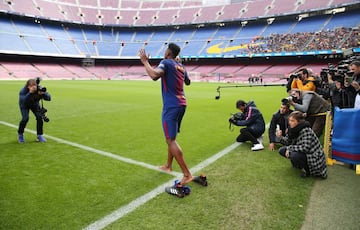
21, 70
310, 4
50, 10
231, 12
54, 71
166, 17
186, 15
145, 17
280, 7
278, 70
256, 8
208, 14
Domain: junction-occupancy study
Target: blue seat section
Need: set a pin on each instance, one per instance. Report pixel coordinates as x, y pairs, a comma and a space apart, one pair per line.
226, 32
312, 24
155, 48
12, 43
344, 20
125, 36
281, 27
29, 28
76, 33
7, 26
56, 32
41, 45
109, 35
192, 48
92, 35
182, 35
141, 36
21, 35
108, 48
247, 33
62, 39
157, 41
131, 49
38, 41
66, 47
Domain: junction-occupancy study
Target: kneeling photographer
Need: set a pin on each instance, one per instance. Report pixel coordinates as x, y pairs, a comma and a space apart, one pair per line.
29, 99
254, 123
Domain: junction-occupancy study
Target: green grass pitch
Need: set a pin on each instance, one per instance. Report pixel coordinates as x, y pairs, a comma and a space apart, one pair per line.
55, 185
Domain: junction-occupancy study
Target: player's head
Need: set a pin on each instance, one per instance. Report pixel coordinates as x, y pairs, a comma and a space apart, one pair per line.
172, 51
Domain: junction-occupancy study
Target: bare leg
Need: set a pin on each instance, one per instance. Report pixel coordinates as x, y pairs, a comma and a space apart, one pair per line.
177, 153
168, 166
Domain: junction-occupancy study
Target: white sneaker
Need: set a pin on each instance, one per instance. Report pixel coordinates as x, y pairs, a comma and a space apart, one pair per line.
257, 147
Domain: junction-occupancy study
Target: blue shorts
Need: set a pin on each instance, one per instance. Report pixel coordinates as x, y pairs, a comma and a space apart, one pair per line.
171, 121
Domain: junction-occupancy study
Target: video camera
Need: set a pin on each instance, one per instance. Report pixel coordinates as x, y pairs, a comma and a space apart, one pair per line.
39, 87
236, 116
338, 72
42, 109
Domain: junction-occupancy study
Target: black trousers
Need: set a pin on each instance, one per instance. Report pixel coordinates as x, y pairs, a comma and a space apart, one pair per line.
247, 135
298, 160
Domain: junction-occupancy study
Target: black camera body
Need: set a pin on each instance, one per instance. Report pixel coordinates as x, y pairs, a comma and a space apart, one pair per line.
42, 109
39, 87
236, 117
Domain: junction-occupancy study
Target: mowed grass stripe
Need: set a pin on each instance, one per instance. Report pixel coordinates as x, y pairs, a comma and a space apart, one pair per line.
97, 151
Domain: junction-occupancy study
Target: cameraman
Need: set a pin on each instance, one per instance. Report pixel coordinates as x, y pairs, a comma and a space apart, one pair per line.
354, 87
252, 118
339, 94
303, 81
313, 105
29, 98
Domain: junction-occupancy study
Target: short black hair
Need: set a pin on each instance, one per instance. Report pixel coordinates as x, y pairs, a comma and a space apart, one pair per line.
240, 103
285, 102
304, 71
175, 49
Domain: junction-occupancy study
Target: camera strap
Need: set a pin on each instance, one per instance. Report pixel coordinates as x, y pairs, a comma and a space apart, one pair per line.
231, 126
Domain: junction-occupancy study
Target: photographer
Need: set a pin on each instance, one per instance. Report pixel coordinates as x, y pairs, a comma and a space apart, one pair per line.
354, 87
252, 118
303, 81
339, 94
29, 99
313, 105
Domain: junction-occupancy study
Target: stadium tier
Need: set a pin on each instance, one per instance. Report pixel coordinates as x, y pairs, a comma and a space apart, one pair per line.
132, 12
116, 30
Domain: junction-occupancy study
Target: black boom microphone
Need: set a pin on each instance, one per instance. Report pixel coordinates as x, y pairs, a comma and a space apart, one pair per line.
217, 97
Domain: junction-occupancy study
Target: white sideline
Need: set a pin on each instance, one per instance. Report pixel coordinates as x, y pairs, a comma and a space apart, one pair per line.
122, 211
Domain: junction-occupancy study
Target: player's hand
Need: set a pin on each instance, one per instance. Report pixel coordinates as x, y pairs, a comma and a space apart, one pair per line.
143, 56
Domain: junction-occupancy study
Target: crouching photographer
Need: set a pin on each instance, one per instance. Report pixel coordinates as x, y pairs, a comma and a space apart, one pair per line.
253, 122
29, 99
